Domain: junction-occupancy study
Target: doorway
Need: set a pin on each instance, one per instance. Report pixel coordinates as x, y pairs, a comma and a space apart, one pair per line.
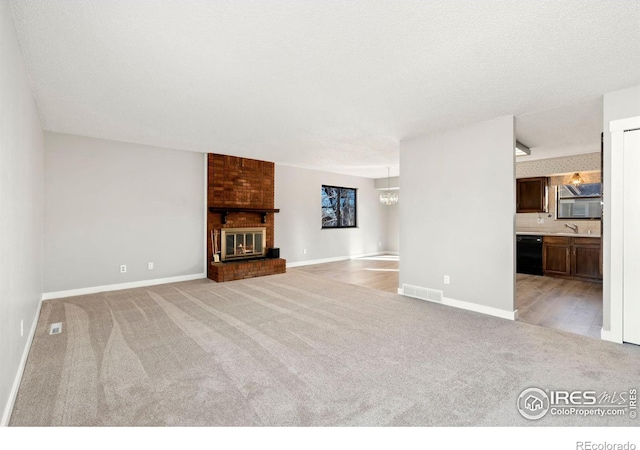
559, 245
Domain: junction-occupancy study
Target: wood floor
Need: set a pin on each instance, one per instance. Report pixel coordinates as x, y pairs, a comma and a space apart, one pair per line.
574, 306
379, 272
569, 305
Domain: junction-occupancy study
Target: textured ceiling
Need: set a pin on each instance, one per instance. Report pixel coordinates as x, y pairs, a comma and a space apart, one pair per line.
568, 130
333, 85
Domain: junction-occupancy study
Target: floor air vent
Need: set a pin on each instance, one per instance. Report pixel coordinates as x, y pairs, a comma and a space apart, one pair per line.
422, 293
56, 328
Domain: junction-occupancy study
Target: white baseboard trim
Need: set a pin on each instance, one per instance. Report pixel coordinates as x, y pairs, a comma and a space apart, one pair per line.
366, 255
13, 394
509, 315
311, 262
607, 335
118, 287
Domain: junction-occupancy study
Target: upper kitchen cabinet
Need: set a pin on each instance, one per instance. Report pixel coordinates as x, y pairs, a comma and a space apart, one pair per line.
531, 195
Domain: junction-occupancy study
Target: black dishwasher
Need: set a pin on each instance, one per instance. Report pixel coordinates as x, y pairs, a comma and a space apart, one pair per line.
529, 254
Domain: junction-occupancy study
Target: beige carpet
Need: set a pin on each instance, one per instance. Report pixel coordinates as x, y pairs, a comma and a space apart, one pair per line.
297, 349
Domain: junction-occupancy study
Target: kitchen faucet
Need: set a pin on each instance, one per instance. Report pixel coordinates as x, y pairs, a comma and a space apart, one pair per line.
573, 226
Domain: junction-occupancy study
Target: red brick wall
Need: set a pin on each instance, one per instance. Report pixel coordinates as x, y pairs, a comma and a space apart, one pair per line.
239, 182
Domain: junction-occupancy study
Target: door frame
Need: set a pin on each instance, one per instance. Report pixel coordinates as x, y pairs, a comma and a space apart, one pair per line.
614, 238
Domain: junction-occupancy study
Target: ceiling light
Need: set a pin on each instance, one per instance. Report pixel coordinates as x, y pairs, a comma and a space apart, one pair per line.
389, 197
522, 150
576, 179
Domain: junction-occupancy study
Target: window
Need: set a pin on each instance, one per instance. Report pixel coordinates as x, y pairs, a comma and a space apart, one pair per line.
338, 207
579, 202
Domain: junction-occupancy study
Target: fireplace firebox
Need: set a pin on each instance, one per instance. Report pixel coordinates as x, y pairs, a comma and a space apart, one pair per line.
243, 243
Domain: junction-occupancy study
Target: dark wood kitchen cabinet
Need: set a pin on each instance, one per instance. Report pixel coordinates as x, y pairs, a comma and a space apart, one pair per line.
556, 255
585, 258
573, 257
531, 195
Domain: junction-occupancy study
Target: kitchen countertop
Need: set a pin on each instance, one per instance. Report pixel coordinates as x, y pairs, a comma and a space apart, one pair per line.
551, 233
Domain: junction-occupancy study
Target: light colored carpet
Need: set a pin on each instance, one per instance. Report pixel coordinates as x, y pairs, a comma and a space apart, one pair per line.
297, 349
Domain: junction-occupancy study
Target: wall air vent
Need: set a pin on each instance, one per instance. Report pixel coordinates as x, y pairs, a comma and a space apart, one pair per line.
422, 293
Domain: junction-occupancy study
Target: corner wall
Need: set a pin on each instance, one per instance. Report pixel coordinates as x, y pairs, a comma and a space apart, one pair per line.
447, 179
298, 225
21, 204
109, 203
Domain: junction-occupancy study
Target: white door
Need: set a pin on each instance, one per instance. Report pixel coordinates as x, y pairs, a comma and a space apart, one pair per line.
631, 287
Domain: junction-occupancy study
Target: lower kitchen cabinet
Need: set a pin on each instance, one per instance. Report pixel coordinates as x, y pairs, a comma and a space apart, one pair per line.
575, 257
585, 258
556, 255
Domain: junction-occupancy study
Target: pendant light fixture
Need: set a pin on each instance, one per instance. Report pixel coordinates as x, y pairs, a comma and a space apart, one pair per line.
389, 197
576, 179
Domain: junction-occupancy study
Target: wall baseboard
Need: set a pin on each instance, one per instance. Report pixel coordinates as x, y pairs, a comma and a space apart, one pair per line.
607, 335
335, 258
13, 394
316, 261
482, 309
118, 287
509, 315
366, 255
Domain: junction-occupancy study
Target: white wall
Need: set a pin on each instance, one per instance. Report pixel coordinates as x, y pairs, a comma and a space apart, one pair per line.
392, 213
109, 203
389, 182
448, 178
298, 225
21, 160
616, 105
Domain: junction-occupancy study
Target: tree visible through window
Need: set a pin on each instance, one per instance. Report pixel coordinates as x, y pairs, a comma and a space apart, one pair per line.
338, 207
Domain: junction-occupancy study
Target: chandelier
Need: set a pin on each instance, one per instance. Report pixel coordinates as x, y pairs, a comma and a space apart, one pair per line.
389, 197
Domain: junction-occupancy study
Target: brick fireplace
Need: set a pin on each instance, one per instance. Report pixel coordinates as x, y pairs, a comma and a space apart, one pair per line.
240, 194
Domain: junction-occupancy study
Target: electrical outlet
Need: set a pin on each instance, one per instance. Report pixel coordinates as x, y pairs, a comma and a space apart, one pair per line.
123, 268
56, 328
304, 251
150, 266
446, 279
22, 328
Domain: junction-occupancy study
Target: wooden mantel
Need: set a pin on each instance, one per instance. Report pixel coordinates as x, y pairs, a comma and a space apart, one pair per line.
225, 211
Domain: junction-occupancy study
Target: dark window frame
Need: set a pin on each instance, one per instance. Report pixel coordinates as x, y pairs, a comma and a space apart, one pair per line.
338, 211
